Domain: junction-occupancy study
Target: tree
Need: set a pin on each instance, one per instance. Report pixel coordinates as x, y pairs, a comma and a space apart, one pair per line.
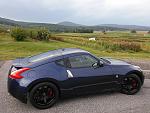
19, 34
83, 30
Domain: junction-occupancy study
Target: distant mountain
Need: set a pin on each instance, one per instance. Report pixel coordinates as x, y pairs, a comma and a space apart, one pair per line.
130, 27
66, 23
19, 23
7, 22
52, 27
69, 26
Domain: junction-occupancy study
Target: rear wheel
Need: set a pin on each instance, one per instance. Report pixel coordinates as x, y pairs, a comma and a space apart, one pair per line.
44, 95
131, 84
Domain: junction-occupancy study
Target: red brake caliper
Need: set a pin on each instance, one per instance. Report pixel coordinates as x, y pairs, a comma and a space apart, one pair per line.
50, 93
134, 83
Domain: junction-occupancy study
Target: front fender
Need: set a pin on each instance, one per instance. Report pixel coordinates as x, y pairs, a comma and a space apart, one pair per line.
138, 73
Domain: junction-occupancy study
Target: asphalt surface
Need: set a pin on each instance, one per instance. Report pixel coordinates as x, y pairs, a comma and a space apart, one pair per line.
112, 102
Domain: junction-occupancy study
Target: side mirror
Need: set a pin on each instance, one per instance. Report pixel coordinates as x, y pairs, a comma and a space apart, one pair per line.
101, 64
98, 64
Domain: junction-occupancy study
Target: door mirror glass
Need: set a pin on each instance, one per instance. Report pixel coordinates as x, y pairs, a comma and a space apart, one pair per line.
101, 63
95, 65
98, 64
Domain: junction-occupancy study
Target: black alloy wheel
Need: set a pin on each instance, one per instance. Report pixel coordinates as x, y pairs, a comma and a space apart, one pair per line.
131, 84
44, 95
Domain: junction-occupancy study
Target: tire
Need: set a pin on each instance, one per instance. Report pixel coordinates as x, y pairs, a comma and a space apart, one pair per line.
44, 95
131, 84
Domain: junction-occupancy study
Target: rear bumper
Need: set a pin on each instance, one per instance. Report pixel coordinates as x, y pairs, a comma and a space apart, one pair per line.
16, 90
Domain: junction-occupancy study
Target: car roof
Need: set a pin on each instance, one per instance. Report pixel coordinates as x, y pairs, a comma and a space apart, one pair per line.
66, 51
55, 53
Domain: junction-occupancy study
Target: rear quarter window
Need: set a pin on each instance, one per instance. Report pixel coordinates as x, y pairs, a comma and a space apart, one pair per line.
60, 62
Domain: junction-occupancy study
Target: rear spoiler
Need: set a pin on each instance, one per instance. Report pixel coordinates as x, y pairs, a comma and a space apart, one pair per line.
20, 62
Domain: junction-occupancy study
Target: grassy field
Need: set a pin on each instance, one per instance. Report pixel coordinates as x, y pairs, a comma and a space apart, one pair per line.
122, 45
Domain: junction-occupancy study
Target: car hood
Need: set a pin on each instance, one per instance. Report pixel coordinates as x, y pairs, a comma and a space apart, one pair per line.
116, 61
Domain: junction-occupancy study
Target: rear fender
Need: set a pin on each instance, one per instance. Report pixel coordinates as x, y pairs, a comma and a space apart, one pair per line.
31, 85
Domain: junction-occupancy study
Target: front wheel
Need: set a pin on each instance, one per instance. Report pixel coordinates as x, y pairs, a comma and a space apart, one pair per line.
44, 95
131, 84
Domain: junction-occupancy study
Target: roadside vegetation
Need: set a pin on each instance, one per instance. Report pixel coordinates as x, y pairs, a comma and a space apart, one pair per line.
21, 42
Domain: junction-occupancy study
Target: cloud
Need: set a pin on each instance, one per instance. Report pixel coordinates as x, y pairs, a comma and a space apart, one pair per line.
80, 11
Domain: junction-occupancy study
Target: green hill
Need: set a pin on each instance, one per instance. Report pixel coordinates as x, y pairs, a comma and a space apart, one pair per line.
60, 27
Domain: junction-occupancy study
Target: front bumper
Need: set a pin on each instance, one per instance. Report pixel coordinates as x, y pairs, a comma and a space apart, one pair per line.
16, 90
143, 77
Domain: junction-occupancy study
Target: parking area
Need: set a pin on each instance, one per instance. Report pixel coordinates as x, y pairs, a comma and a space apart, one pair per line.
112, 102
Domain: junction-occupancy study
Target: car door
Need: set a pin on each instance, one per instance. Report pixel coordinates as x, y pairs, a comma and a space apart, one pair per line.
84, 77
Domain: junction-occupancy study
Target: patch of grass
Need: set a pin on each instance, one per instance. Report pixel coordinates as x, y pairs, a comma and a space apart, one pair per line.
102, 44
115, 41
9, 49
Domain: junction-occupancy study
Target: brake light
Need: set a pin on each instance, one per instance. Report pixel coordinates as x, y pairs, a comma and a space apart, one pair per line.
17, 74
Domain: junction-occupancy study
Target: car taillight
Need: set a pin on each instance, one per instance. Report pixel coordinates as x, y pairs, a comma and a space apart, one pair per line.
17, 74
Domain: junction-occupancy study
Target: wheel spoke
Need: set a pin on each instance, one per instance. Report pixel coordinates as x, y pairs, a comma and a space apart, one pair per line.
130, 84
44, 95
45, 100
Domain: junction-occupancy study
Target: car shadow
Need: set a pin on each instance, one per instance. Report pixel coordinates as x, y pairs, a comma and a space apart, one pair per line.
85, 96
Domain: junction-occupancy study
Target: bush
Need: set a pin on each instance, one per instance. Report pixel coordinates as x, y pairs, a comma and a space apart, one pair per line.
104, 31
32, 33
42, 34
19, 34
133, 31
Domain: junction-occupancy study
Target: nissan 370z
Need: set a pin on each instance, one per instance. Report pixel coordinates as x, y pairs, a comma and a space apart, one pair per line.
44, 78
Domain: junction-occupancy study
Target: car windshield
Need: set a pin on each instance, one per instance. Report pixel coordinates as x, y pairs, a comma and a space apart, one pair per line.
49, 54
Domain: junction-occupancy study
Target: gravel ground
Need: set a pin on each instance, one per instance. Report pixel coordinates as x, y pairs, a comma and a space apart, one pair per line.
99, 103
1, 63
144, 64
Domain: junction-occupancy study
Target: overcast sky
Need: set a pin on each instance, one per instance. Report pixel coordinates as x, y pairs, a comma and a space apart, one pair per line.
88, 12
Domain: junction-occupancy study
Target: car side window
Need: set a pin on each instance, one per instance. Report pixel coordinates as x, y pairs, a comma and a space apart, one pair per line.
82, 61
60, 62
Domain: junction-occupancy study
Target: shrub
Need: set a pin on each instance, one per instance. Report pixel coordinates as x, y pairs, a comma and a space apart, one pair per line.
42, 34
133, 31
104, 31
19, 34
32, 33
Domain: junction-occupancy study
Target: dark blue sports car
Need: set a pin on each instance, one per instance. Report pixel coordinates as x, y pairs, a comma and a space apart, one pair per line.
44, 78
